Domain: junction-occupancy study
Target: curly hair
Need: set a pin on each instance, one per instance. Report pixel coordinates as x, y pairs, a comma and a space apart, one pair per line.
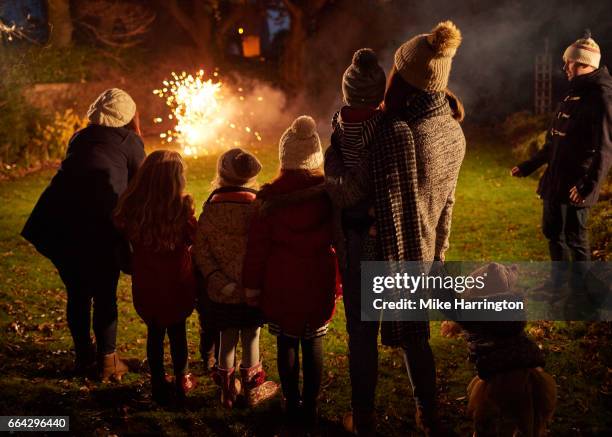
154, 209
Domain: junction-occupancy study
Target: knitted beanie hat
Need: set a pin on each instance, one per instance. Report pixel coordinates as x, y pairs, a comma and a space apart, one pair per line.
237, 167
585, 50
300, 147
425, 60
112, 108
498, 279
363, 82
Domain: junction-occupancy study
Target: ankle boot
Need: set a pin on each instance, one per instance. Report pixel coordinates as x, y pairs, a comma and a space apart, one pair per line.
85, 358
230, 386
430, 425
361, 423
184, 384
256, 388
110, 366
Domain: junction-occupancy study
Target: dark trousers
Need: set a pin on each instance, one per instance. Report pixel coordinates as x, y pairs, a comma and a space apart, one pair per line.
565, 227
177, 334
90, 280
363, 344
288, 359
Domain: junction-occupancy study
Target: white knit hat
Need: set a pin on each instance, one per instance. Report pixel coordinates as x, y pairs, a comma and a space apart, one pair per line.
585, 51
300, 146
425, 60
112, 108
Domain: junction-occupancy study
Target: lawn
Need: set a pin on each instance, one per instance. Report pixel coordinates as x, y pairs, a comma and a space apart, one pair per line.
495, 218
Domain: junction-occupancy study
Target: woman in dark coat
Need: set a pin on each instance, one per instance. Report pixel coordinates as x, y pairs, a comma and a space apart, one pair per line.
71, 225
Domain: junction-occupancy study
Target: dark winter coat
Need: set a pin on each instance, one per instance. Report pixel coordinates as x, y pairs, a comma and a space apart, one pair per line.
578, 148
289, 253
75, 210
163, 282
497, 347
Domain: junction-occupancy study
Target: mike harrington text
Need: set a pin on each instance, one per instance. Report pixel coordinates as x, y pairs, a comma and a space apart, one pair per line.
457, 304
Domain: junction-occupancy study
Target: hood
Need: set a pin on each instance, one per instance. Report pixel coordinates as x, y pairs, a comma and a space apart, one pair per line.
301, 203
229, 216
600, 78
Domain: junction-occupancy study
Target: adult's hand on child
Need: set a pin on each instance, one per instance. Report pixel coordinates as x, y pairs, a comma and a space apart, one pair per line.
516, 172
575, 196
229, 289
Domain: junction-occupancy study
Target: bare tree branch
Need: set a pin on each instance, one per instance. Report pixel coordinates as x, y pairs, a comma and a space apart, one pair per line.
116, 23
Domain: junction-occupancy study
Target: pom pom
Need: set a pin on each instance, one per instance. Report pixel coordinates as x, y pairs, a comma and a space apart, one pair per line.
304, 126
445, 38
365, 59
587, 34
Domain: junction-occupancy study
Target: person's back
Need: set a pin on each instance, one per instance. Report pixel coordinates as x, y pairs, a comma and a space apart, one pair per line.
439, 148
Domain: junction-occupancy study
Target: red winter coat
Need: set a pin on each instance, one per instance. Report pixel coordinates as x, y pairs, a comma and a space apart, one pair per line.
289, 253
164, 283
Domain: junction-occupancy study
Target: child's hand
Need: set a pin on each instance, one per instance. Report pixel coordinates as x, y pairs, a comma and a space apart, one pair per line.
252, 296
229, 289
372, 231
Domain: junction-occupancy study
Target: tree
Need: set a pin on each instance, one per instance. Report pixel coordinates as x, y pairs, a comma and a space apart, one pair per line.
60, 21
292, 58
196, 18
117, 24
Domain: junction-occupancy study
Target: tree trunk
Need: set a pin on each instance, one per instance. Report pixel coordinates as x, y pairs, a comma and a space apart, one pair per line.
61, 23
292, 58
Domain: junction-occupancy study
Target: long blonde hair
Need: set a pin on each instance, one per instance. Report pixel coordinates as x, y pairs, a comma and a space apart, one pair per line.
154, 209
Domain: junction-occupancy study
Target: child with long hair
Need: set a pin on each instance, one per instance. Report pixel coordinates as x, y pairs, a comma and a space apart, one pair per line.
290, 265
157, 217
219, 250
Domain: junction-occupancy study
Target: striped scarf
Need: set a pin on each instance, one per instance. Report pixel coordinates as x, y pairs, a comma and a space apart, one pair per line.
355, 137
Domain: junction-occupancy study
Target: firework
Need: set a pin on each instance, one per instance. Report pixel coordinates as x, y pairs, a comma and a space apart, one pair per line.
207, 115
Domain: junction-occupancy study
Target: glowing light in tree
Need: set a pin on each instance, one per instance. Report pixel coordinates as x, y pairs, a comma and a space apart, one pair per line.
208, 117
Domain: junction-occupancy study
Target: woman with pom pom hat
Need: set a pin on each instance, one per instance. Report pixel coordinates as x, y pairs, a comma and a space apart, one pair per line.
290, 266
412, 171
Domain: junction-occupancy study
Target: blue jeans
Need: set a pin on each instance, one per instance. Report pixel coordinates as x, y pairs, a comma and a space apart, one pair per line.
565, 228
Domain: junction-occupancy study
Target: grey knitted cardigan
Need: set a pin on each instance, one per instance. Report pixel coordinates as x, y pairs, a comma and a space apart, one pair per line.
438, 149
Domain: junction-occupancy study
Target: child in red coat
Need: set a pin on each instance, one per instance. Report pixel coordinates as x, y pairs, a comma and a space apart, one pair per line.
290, 265
157, 217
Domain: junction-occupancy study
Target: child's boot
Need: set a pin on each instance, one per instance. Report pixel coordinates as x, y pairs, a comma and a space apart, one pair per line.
160, 391
256, 388
230, 385
184, 384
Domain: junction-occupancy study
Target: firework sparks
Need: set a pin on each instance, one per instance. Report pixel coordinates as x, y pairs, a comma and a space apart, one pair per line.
207, 116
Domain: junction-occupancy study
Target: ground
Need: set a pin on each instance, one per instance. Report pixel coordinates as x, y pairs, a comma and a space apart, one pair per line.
495, 218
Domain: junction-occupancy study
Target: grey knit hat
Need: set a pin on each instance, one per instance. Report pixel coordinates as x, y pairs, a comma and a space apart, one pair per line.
237, 167
363, 82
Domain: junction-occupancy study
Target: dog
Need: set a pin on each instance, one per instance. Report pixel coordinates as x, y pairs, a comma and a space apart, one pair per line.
512, 395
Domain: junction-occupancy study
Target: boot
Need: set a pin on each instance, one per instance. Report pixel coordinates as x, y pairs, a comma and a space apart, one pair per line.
85, 360
110, 366
230, 385
160, 390
429, 424
361, 423
184, 384
256, 388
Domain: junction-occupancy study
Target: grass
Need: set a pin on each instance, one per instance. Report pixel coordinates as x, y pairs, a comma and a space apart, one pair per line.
495, 218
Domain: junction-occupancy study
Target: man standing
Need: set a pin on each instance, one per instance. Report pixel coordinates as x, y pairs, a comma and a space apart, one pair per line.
578, 149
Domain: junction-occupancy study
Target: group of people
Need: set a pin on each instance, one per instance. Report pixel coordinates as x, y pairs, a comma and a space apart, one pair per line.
278, 254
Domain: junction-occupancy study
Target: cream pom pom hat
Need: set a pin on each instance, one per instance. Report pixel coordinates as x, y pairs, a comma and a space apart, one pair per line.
300, 146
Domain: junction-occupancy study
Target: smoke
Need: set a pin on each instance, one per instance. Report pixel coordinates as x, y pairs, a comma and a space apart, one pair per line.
493, 69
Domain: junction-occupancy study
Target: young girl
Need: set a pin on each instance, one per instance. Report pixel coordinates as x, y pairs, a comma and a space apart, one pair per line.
219, 251
157, 217
290, 266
